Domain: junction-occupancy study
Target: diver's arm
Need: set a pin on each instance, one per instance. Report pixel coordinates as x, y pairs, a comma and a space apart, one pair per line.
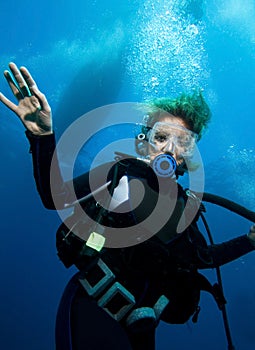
226, 252
47, 174
35, 114
56, 193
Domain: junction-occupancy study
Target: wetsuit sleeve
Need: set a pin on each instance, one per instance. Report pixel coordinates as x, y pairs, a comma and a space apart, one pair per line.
230, 250
226, 252
42, 149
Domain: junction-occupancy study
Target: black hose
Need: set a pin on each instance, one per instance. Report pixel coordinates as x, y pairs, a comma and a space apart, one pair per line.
219, 279
228, 204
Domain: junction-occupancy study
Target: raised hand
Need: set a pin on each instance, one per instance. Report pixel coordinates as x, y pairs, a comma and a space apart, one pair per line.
32, 109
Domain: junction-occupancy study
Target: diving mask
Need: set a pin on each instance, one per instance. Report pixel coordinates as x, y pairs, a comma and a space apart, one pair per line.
174, 136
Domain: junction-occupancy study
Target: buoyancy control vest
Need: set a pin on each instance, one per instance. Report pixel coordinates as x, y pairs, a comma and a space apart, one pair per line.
147, 270
186, 283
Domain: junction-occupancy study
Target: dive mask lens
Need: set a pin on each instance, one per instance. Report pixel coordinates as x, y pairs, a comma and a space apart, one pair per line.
163, 134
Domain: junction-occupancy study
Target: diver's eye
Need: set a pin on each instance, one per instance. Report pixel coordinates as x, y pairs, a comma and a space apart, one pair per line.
184, 142
160, 138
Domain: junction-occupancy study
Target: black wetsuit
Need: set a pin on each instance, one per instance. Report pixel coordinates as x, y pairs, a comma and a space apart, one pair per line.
148, 270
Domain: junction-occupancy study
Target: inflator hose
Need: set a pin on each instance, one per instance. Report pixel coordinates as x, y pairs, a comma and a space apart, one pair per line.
228, 204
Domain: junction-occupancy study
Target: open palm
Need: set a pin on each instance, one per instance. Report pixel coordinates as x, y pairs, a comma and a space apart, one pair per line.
32, 108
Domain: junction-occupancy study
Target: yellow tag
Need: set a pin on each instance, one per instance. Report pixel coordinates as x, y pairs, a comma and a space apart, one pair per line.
95, 241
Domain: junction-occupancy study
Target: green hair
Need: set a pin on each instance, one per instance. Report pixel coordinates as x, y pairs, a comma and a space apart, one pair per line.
193, 109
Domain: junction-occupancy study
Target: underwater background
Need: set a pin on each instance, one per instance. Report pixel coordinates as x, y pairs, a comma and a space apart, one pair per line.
86, 54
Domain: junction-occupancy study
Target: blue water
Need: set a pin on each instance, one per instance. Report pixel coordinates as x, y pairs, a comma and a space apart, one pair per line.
85, 55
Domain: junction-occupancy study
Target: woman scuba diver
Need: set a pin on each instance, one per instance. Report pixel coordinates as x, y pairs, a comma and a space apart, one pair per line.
120, 293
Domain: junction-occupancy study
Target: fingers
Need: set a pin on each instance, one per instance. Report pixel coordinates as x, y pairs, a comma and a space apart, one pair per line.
17, 82
28, 77
30, 84
42, 99
13, 85
23, 86
8, 103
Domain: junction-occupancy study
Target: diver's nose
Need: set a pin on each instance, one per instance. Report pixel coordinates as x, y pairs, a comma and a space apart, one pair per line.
169, 148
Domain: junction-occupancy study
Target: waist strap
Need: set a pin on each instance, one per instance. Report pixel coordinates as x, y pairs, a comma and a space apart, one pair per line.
100, 283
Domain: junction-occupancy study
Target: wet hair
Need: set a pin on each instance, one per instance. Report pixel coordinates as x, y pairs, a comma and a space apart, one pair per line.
193, 109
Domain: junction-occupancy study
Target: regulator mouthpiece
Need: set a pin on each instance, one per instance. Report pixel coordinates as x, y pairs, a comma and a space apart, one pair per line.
164, 165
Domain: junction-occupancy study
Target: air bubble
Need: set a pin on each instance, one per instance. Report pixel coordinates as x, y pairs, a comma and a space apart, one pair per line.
167, 41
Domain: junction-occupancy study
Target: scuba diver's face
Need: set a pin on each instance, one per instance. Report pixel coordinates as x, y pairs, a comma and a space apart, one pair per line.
171, 135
